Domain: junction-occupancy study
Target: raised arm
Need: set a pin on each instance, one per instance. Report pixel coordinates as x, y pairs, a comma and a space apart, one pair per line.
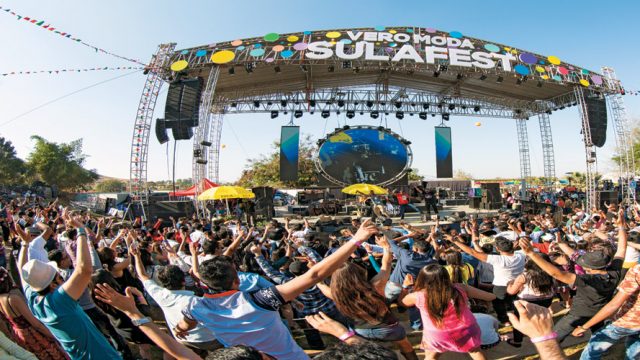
79, 280
473, 252
142, 273
380, 280
236, 242
605, 312
563, 276
622, 236
324, 268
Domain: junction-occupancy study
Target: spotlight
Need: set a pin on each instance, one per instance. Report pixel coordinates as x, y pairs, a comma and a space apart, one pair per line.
249, 68
331, 68
340, 103
539, 84
369, 103
406, 142
452, 106
256, 103
351, 114
312, 103
445, 117
398, 105
274, 114
277, 69
459, 76
234, 104
304, 68
346, 64
201, 161
548, 112
425, 106
518, 111
400, 115
283, 103
346, 127
361, 112
562, 107
436, 73
269, 103
374, 114
499, 79
205, 143
197, 153
476, 108
325, 114
483, 77
232, 70
381, 128
297, 114
423, 115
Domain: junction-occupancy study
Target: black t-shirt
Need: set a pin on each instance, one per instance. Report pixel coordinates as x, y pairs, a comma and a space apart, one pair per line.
595, 290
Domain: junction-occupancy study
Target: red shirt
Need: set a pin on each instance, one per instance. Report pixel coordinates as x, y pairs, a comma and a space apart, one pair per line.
402, 199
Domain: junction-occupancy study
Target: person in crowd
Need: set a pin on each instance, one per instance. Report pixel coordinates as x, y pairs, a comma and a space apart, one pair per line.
459, 272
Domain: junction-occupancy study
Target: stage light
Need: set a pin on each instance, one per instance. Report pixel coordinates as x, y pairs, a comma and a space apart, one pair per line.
539, 84
197, 153
256, 103
205, 143
381, 128
406, 142
283, 103
304, 68
351, 114
325, 114
499, 79
277, 69
445, 117
411, 114
297, 114
562, 107
249, 68
338, 112
575, 103
423, 115
464, 107
274, 114
459, 76
201, 161
369, 103
269, 103
548, 112
413, 105
476, 108
436, 73
398, 105
331, 68
374, 114
425, 106
483, 77
346, 64
346, 127
433, 114
400, 115
312, 103
234, 104
452, 106
361, 112
232, 70
340, 103
518, 111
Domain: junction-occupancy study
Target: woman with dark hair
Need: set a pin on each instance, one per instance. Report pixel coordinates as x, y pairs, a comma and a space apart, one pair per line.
533, 285
26, 330
459, 272
448, 322
363, 301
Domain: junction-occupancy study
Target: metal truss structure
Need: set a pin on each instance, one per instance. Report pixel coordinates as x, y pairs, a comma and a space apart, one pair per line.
213, 166
624, 139
523, 150
142, 125
548, 156
589, 150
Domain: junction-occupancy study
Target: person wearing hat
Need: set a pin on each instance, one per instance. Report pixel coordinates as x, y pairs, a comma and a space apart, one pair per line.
544, 246
594, 289
37, 236
55, 302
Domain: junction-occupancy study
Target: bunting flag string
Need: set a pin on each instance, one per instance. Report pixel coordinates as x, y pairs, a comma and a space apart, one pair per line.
48, 26
58, 71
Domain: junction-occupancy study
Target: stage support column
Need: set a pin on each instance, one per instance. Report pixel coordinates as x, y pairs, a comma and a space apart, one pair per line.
525, 160
589, 151
548, 156
624, 139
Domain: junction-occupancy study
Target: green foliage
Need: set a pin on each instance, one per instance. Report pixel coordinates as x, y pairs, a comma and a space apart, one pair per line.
12, 169
167, 185
414, 175
460, 174
579, 180
265, 171
60, 164
634, 152
110, 185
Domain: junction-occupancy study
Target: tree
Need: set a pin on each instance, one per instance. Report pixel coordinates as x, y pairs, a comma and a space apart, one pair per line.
60, 164
579, 180
110, 185
460, 174
265, 170
12, 168
414, 175
634, 152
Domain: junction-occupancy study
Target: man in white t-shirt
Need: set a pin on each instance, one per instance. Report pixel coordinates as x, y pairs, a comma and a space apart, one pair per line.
197, 235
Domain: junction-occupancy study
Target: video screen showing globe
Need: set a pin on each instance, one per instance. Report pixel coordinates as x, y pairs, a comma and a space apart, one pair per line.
362, 155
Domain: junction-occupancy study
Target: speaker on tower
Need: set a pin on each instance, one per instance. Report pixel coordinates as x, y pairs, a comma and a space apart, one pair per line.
597, 115
161, 131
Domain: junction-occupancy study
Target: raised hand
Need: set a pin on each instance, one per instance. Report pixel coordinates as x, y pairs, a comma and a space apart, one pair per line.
525, 245
534, 320
325, 324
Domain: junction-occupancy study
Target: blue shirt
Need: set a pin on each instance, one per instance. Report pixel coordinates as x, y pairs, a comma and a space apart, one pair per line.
409, 262
252, 282
70, 325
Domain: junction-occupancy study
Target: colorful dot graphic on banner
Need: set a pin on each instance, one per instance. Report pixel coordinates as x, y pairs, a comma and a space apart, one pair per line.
584, 82
240, 48
545, 77
300, 46
528, 58
184, 52
286, 54
292, 38
540, 69
492, 47
379, 28
557, 77
393, 45
257, 46
585, 72
431, 30
521, 69
392, 31
563, 70
597, 79
201, 53
236, 43
554, 60
455, 34
307, 32
179, 65
333, 34
257, 52
277, 48
223, 57
269, 60
271, 37
346, 41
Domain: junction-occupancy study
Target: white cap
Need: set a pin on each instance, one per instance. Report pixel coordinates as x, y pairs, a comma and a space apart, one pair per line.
39, 274
547, 237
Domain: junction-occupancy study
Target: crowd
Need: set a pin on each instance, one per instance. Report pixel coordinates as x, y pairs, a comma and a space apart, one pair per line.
76, 286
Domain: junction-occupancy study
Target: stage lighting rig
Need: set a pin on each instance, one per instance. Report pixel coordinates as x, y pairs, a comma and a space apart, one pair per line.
325, 114
297, 114
274, 114
256, 103
277, 69
400, 115
476, 108
374, 114
232, 70
445, 117
423, 115
351, 114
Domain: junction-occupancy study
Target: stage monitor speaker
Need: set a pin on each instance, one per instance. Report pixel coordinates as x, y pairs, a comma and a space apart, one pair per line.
161, 131
181, 131
597, 115
183, 101
491, 192
459, 214
474, 202
165, 209
608, 197
264, 201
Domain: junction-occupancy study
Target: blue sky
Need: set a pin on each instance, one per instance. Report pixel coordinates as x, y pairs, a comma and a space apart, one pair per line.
585, 33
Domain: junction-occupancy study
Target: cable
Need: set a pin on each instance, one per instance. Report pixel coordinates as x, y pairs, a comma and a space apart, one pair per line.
65, 96
168, 167
237, 139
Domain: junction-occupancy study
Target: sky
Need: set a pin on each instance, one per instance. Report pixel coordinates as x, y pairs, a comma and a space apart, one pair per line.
584, 33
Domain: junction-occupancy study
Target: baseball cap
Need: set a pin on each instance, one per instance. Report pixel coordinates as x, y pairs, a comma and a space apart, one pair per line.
297, 267
547, 237
39, 274
387, 222
595, 260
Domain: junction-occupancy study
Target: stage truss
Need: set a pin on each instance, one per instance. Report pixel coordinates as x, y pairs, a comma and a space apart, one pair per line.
548, 156
523, 150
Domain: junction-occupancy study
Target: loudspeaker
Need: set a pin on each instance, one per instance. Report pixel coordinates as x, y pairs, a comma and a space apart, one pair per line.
597, 115
183, 101
609, 197
491, 192
164, 209
474, 202
264, 201
161, 131
181, 130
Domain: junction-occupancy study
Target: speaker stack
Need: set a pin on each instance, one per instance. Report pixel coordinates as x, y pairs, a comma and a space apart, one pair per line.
264, 201
491, 199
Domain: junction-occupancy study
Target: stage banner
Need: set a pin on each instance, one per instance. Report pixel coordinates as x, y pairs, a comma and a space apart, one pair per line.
289, 146
444, 160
